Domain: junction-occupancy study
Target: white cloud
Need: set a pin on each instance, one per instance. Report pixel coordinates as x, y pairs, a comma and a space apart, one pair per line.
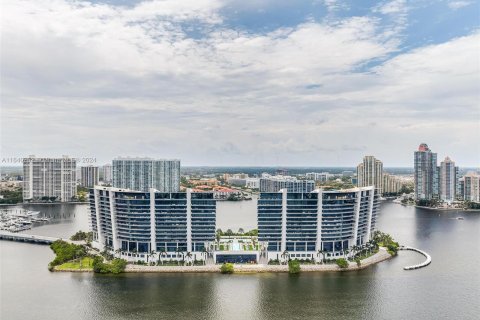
109, 80
458, 4
392, 7
333, 5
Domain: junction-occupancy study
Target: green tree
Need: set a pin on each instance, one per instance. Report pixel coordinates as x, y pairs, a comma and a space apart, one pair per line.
293, 266
342, 263
115, 266
65, 251
227, 268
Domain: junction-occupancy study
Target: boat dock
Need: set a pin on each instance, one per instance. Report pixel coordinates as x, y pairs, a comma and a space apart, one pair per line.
421, 265
19, 220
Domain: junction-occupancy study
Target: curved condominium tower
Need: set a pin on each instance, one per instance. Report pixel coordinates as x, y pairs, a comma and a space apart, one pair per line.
136, 223
305, 223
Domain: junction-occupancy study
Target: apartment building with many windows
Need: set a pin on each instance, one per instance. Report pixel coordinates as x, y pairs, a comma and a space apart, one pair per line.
144, 173
137, 223
304, 224
52, 178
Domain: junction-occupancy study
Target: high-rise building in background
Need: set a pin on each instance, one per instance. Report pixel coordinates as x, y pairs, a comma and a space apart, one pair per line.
448, 180
54, 178
269, 183
471, 187
89, 176
106, 173
391, 184
305, 223
143, 173
319, 176
370, 173
137, 223
425, 173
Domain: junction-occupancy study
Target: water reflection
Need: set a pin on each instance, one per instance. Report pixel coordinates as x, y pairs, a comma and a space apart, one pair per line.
151, 296
447, 289
237, 214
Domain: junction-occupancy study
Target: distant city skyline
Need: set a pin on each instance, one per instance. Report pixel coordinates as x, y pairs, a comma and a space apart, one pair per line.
270, 83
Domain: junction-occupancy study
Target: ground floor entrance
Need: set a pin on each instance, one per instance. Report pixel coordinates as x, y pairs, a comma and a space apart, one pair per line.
236, 258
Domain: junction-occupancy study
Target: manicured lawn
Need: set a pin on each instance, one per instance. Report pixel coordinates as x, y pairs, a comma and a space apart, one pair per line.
86, 264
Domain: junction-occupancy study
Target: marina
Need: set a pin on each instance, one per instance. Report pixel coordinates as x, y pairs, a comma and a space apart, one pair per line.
16, 220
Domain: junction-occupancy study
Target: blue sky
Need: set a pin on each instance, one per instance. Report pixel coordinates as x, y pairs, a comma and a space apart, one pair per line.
306, 83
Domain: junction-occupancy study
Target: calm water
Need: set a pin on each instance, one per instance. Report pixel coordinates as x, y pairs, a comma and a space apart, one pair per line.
447, 289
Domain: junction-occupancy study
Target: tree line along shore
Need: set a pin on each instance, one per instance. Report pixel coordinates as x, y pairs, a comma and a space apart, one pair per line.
73, 257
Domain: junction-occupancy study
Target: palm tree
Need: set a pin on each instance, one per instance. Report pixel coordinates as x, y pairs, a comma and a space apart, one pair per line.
151, 255
119, 252
369, 246
179, 252
320, 253
134, 253
205, 255
285, 256
161, 255
352, 251
188, 257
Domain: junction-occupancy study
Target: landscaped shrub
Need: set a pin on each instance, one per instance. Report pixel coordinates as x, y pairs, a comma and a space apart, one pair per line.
392, 248
227, 268
342, 263
358, 261
293, 266
116, 266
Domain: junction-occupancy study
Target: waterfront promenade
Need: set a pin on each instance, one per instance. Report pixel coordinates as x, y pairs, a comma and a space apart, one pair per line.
381, 255
22, 237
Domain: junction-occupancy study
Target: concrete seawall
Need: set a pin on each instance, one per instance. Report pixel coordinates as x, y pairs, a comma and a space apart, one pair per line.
380, 256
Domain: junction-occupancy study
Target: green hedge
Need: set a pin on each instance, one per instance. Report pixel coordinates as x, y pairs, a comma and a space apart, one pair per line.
293, 266
115, 266
342, 263
227, 268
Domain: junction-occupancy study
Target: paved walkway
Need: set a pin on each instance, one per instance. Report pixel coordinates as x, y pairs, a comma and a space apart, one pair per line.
381, 255
24, 237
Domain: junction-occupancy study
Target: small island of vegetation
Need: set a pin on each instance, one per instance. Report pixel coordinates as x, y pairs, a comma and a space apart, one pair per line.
79, 257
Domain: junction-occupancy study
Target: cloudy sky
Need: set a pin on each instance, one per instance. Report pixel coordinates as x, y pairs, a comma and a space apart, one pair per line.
250, 82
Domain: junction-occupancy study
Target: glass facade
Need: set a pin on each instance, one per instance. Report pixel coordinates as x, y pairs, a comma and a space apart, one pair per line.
426, 174
269, 220
141, 222
340, 219
277, 183
171, 222
143, 174
203, 206
302, 212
